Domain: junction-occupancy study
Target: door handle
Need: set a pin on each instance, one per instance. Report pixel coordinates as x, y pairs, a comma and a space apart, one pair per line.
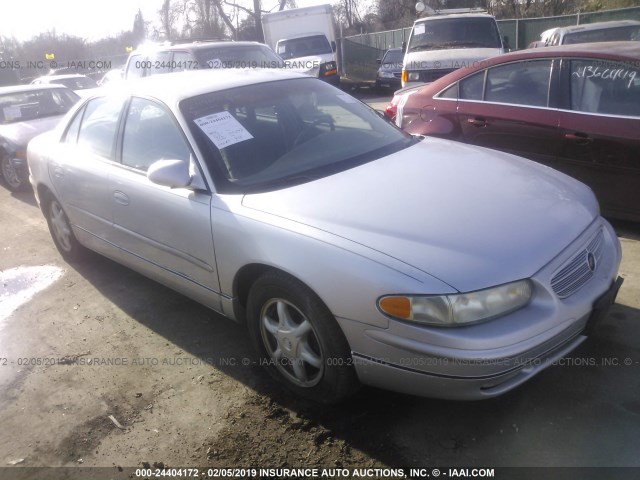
121, 197
477, 122
579, 138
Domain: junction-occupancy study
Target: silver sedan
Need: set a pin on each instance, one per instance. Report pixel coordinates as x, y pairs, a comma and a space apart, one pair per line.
353, 252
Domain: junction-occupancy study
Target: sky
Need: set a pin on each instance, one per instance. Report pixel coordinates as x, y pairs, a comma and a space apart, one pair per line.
89, 19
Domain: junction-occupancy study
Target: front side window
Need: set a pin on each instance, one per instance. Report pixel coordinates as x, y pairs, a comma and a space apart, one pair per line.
271, 135
99, 125
605, 87
519, 83
150, 134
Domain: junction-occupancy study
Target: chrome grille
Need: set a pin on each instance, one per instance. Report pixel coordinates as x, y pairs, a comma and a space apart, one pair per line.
578, 271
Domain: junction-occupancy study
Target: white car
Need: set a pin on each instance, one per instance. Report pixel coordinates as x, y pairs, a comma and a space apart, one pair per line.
353, 252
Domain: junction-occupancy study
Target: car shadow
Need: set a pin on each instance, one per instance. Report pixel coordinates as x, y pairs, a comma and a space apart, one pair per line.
25, 196
399, 431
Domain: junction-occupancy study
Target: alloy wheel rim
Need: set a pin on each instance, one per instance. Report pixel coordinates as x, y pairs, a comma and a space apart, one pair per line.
291, 343
10, 173
61, 228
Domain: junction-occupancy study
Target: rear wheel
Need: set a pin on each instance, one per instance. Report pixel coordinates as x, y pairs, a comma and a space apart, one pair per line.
298, 339
61, 231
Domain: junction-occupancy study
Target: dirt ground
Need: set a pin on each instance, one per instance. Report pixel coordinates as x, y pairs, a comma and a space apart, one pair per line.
105, 368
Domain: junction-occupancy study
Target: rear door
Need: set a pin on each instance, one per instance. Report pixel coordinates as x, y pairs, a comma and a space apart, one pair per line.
510, 107
82, 179
600, 127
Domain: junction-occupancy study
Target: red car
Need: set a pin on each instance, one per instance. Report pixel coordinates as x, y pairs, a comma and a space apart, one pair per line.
575, 108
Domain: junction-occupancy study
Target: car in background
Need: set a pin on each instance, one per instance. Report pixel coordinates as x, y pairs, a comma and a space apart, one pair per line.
160, 59
74, 81
389, 73
428, 267
620, 30
544, 38
111, 77
575, 108
26, 111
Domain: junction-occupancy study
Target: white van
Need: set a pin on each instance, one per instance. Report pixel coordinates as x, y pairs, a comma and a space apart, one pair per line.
440, 44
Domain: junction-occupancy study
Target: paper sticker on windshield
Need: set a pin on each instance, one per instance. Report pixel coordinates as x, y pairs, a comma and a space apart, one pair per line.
223, 129
11, 112
418, 29
346, 98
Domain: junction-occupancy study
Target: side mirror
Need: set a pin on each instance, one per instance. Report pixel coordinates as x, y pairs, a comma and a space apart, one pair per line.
170, 173
333, 45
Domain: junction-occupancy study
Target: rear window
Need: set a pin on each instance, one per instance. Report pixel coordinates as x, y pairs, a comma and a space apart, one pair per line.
30, 105
614, 34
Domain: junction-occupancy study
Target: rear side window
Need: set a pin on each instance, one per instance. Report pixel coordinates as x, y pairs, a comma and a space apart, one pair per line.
471, 87
605, 87
520, 83
136, 66
99, 125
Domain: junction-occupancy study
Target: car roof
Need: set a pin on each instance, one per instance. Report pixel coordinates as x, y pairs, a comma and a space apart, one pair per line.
626, 50
30, 88
454, 15
62, 77
171, 88
194, 46
614, 51
598, 26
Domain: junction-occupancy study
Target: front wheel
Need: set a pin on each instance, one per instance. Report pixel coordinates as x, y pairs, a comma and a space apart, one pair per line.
61, 231
12, 176
298, 340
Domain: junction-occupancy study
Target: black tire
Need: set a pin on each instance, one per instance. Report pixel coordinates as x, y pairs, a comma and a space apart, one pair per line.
298, 339
61, 231
12, 178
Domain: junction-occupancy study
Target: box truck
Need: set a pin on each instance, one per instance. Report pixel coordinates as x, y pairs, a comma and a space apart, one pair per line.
305, 38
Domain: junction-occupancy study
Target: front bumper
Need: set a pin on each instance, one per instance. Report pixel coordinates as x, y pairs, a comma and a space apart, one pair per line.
491, 358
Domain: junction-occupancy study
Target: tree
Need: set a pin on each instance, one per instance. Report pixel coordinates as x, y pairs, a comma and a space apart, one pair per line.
139, 31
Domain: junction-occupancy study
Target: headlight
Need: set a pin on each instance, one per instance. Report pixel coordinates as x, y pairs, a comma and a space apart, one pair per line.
414, 76
385, 74
459, 309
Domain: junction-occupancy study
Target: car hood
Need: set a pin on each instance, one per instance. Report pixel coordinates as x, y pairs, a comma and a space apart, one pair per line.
448, 58
20, 133
472, 217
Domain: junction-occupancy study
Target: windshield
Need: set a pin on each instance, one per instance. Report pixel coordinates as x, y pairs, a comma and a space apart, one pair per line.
473, 32
235, 56
393, 57
603, 35
23, 106
303, 47
272, 135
